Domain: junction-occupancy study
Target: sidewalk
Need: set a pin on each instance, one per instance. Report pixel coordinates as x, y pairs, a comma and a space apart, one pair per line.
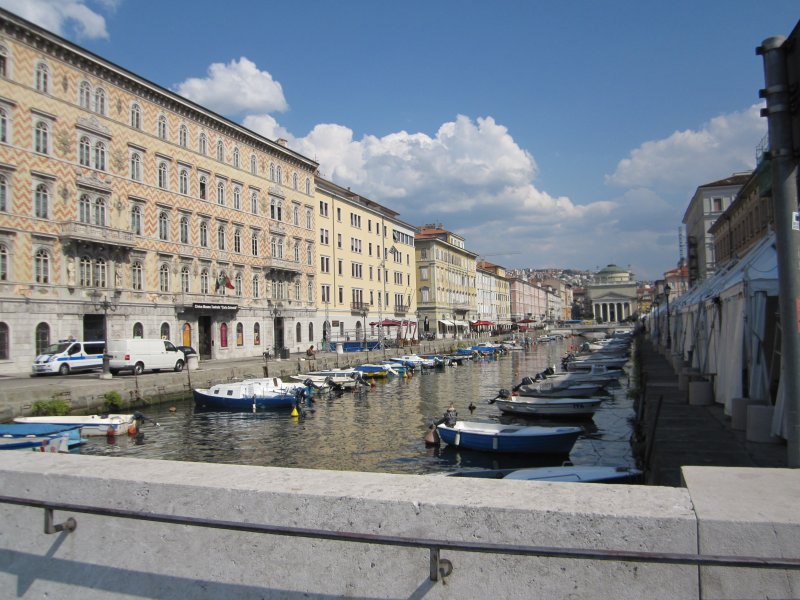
682, 434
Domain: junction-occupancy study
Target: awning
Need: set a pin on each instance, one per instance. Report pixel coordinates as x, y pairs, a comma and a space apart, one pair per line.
526, 321
460, 323
482, 323
446, 323
386, 323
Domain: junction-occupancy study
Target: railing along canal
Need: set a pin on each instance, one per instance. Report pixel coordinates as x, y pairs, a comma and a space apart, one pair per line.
439, 567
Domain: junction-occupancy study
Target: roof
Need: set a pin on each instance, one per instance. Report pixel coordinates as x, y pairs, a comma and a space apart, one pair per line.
735, 179
612, 269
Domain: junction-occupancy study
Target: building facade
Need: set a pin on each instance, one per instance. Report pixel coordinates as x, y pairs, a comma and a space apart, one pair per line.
366, 268
613, 295
129, 211
493, 294
446, 282
708, 203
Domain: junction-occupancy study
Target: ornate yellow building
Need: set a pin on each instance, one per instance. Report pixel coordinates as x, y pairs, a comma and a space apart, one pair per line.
128, 210
366, 268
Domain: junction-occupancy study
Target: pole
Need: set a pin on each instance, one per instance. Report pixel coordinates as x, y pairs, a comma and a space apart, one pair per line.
784, 194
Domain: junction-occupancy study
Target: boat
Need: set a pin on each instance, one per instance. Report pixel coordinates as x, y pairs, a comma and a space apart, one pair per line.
556, 390
599, 374
250, 394
91, 425
549, 407
56, 438
375, 371
566, 473
398, 367
495, 437
416, 361
333, 378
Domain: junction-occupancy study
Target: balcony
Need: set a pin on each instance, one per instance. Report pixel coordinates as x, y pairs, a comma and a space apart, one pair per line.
279, 264
359, 306
401, 309
74, 231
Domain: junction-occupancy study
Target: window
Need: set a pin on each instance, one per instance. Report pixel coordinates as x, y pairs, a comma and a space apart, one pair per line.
256, 290
279, 175
136, 219
309, 253
254, 202
308, 186
41, 266
183, 135
204, 234
85, 272
42, 337
3, 262
325, 264
202, 144
100, 273
236, 157
204, 281
221, 193
100, 212
309, 218
323, 208
4, 355
237, 284
275, 209
165, 331
84, 94
253, 165
254, 243
256, 334
296, 215
163, 278
136, 116
184, 227
162, 127
237, 241
100, 101
271, 171
298, 333
297, 251
163, 226
185, 280
237, 197
221, 237
295, 181
4, 126
138, 330
100, 156
41, 137
3, 64
325, 292
84, 209
220, 151
239, 334
338, 240
310, 292
162, 175
183, 182
223, 335
136, 166
4, 201
202, 183
41, 201
84, 151
137, 277
323, 236
42, 78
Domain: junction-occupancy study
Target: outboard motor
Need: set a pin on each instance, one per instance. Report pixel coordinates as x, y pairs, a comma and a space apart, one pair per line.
503, 394
526, 381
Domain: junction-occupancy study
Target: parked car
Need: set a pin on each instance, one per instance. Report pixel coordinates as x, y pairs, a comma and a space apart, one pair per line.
187, 350
138, 354
68, 356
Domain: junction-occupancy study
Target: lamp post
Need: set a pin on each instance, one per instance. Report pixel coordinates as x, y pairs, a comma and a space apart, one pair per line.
655, 319
666, 295
105, 305
363, 313
275, 311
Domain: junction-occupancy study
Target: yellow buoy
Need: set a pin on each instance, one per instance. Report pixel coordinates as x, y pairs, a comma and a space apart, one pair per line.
295, 413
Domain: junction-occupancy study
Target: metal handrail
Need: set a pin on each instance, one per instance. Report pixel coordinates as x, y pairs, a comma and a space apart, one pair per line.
438, 566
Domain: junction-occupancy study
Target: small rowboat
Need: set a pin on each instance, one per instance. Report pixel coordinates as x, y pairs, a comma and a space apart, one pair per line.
549, 407
495, 437
91, 425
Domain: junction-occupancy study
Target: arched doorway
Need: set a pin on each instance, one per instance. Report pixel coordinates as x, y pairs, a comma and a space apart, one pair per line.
187, 334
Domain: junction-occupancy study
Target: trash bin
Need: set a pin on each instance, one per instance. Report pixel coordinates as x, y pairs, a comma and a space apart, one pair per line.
284, 352
192, 362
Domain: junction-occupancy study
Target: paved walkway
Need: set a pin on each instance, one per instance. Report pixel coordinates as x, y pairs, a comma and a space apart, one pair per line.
686, 434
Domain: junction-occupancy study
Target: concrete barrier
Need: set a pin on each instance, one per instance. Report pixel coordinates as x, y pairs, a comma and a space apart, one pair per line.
759, 424
739, 412
701, 393
685, 375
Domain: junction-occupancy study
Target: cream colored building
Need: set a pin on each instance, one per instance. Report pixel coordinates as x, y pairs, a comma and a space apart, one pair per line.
493, 296
365, 269
128, 210
446, 282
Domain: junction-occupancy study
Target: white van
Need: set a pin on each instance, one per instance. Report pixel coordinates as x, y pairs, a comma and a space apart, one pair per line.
138, 354
68, 356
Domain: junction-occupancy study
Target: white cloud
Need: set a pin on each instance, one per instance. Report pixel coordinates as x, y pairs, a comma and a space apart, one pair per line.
235, 88
62, 17
686, 159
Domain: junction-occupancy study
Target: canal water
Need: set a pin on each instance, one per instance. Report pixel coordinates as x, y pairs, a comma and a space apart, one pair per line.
381, 429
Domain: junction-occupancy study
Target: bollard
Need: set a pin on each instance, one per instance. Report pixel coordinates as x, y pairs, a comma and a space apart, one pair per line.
701, 393
759, 424
739, 412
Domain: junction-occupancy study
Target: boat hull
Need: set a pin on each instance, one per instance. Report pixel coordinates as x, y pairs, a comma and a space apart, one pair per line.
91, 425
214, 401
490, 437
558, 407
588, 474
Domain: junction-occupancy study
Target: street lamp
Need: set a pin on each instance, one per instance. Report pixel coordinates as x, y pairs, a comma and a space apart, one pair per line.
655, 320
667, 290
105, 305
275, 311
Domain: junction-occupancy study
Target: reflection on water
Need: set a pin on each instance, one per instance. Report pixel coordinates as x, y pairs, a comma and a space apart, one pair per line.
379, 430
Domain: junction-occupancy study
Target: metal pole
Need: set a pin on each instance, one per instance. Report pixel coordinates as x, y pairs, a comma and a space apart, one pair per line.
784, 194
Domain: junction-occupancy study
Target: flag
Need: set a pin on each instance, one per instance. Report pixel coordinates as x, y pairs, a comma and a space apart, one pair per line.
220, 282
228, 283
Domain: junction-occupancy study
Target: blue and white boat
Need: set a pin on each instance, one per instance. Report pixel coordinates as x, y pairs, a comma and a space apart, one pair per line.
416, 361
370, 370
568, 473
43, 435
495, 437
249, 394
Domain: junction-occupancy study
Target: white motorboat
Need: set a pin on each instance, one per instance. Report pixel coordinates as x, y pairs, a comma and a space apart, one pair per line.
91, 425
335, 378
549, 407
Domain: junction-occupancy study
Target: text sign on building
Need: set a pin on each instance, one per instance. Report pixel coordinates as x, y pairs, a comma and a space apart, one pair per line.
214, 306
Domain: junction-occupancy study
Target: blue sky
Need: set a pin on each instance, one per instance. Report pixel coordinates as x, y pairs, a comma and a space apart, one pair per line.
549, 134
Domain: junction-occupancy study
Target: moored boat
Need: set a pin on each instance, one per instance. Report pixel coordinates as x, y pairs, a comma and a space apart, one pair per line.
549, 407
334, 378
495, 437
555, 390
45, 435
375, 371
91, 425
566, 473
250, 394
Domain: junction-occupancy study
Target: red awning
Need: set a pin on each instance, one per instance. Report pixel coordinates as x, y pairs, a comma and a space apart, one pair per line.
526, 321
482, 324
386, 323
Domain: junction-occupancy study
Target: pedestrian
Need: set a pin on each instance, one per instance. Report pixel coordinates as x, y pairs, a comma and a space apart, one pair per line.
450, 416
311, 352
